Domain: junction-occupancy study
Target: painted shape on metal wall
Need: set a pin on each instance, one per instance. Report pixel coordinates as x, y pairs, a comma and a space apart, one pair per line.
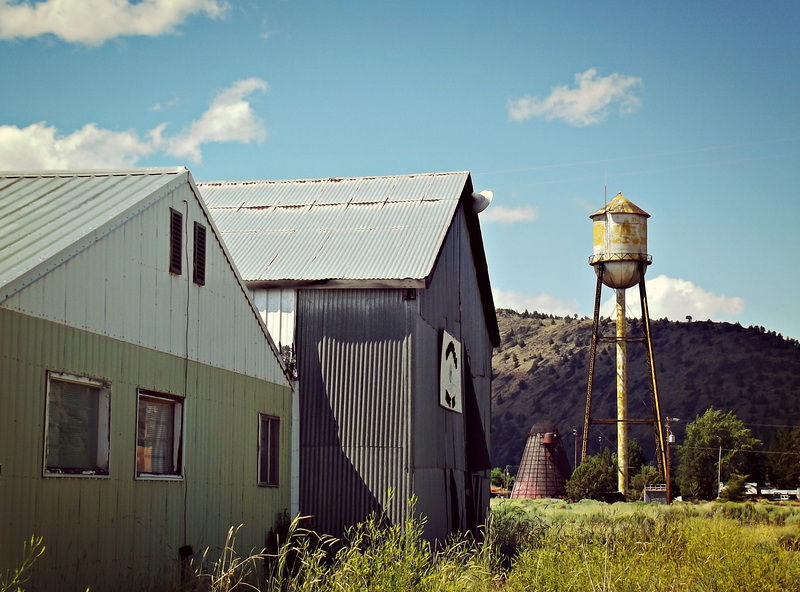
450, 374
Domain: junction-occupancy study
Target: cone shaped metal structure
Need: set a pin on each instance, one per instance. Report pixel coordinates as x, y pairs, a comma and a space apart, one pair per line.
544, 469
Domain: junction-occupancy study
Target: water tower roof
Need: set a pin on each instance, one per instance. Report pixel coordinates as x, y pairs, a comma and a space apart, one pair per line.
620, 205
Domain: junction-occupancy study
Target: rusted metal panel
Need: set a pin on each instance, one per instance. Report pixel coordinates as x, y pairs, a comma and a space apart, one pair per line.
620, 242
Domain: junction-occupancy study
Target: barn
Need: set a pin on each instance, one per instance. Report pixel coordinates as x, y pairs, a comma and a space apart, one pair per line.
145, 409
377, 291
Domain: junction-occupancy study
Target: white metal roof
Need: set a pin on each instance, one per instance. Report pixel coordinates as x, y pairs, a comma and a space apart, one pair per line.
380, 230
48, 216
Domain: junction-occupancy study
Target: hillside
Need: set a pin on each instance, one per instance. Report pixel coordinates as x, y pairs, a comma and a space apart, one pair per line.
540, 371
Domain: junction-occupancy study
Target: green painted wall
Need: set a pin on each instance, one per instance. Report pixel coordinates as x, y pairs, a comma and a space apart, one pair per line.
117, 532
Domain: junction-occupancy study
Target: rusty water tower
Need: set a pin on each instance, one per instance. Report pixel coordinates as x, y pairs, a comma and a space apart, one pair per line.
620, 260
544, 468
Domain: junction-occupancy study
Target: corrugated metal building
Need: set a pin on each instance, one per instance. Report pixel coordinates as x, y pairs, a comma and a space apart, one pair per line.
379, 286
144, 406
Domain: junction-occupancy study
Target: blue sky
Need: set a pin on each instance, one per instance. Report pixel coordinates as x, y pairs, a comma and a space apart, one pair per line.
691, 110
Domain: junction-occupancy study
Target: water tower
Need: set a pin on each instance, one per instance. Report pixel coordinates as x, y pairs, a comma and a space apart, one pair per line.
620, 260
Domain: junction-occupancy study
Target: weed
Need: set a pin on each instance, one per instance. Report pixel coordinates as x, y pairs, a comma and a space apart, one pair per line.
13, 579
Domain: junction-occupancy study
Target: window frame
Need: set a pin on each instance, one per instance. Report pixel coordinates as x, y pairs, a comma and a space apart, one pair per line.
102, 469
271, 447
178, 405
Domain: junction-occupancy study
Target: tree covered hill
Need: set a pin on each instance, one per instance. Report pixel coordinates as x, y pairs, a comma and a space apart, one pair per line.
541, 369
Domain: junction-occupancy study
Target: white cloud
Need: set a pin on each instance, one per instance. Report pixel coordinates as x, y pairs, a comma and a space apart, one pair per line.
676, 299
40, 146
230, 118
497, 213
169, 104
584, 105
93, 22
541, 303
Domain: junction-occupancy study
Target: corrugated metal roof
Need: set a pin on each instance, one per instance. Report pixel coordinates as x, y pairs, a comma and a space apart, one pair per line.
45, 215
620, 205
361, 229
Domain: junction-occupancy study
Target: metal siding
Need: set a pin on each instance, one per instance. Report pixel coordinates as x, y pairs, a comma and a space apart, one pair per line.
277, 308
45, 213
354, 350
452, 302
114, 532
378, 228
133, 297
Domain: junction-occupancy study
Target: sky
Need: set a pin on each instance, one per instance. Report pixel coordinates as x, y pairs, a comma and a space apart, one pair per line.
690, 109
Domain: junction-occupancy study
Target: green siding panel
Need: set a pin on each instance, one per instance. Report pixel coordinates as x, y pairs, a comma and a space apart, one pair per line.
116, 532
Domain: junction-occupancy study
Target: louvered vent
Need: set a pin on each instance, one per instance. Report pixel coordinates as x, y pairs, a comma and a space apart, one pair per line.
175, 242
199, 254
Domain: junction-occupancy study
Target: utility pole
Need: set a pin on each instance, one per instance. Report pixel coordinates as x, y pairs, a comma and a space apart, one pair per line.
575, 438
668, 468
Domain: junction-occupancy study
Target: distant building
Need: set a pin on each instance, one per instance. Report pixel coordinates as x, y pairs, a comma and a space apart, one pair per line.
144, 406
379, 286
655, 494
544, 468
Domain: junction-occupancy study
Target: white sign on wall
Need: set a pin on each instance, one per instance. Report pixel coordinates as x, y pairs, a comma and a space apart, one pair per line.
450, 374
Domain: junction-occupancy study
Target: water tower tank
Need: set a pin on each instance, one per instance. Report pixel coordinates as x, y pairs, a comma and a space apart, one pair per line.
620, 242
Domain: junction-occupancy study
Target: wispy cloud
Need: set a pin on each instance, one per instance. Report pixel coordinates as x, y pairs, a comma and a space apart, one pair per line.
676, 299
541, 303
230, 118
589, 102
506, 215
93, 22
168, 105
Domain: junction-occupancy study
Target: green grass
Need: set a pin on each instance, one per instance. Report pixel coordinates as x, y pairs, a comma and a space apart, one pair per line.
544, 545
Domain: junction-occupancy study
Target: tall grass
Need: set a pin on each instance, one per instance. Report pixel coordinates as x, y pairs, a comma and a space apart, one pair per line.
14, 579
545, 545
551, 545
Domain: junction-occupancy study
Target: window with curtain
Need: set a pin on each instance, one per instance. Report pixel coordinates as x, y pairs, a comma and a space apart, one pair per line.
159, 442
77, 432
268, 450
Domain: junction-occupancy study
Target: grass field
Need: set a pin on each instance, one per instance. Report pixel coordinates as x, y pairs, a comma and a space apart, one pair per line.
543, 545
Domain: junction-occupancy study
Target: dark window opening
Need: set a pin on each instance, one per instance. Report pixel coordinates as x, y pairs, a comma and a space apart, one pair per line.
199, 254
268, 450
78, 421
175, 242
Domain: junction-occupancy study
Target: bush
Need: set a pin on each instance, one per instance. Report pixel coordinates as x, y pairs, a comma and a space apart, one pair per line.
594, 478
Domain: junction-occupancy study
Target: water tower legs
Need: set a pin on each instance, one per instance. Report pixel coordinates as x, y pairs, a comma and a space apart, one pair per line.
622, 420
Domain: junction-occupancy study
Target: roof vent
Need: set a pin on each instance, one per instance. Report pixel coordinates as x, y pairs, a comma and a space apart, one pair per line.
482, 200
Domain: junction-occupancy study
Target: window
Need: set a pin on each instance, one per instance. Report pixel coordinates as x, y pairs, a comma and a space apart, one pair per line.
268, 450
175, 241
199, 254
77, 432
159, 442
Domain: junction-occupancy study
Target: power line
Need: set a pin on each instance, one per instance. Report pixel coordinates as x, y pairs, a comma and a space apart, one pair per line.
716, 448
643, 156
